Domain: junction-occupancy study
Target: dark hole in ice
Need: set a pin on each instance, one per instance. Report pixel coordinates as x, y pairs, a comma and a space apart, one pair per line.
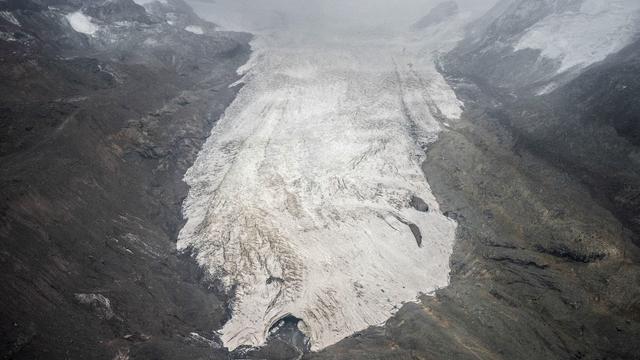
415, 230
419, 204
416, 233
273, 279
287, 330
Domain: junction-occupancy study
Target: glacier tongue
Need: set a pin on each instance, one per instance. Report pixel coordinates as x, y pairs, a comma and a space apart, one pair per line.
300, 199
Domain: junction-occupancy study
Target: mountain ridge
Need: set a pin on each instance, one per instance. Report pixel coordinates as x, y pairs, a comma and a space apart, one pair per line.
97, 131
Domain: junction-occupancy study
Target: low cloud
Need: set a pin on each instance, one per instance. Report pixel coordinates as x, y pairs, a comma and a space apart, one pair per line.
266, 14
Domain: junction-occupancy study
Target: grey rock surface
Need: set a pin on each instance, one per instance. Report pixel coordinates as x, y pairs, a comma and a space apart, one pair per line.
96, 134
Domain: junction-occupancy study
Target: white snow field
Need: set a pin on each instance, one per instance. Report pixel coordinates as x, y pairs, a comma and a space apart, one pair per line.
82, 23
194, 29
300, 198
581, 38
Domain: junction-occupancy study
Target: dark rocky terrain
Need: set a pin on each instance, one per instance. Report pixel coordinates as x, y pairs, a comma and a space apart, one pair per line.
97, 132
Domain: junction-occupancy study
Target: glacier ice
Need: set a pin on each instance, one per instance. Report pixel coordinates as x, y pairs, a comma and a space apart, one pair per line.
300, 200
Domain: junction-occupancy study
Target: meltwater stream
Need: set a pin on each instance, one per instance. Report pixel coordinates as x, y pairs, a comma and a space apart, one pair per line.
306, 200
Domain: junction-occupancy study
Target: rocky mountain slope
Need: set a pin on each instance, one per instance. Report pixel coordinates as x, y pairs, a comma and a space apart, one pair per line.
578, 116
104, 105
529, 43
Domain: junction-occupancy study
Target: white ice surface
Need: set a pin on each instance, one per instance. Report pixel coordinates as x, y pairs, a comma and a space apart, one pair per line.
300, 197
581, 38
194, 29
82, 23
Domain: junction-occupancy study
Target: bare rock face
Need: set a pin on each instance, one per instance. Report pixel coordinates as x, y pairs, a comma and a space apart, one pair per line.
100, 116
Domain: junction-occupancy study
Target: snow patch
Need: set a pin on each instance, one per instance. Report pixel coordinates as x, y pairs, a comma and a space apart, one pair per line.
8, 16
82, 23
581, 38
194, 29
546, 89
7, 36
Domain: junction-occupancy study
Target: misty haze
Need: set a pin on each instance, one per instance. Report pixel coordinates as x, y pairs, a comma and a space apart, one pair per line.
321, 179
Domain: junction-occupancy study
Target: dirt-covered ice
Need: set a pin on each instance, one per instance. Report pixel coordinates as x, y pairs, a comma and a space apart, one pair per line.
301, 199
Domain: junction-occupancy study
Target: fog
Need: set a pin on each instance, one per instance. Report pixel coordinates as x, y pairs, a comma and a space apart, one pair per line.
261, 15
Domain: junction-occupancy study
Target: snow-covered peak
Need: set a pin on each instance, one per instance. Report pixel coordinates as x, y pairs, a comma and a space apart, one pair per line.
584, 36
82, 23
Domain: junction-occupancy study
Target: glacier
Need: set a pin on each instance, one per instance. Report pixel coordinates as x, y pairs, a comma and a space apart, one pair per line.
300, 200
